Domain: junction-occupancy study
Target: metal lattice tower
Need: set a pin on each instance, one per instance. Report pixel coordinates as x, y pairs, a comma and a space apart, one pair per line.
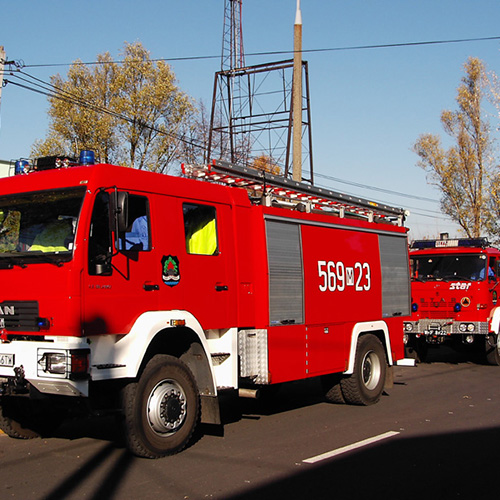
251, 118
232, 37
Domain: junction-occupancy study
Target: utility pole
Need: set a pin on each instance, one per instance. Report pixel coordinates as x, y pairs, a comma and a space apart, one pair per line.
2, 66
297, 96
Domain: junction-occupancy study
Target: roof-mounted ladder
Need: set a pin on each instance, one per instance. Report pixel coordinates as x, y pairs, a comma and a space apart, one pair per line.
274, 189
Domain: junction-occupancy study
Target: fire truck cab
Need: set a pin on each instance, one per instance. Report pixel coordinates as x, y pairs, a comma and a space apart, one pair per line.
454, 297
150, 295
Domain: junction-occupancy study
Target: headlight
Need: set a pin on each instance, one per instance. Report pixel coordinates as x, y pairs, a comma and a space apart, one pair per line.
463, 327
470, 327
408, 327
54, 362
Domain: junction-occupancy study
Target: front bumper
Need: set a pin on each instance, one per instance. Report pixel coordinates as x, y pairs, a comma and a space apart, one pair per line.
26, 362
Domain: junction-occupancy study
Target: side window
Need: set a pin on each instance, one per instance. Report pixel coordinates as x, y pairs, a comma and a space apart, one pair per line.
201, 229
136, 237
100, 237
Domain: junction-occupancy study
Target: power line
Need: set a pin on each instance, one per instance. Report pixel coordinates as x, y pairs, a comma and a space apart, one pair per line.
286, 52
51, 91
373, 188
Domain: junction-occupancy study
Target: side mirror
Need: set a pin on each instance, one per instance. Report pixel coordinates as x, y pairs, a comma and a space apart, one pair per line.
119, 211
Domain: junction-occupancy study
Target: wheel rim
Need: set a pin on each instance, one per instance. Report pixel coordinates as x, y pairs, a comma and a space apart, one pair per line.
167, 406
371, 370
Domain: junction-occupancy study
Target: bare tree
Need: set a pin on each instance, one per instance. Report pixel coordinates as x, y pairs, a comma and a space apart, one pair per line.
463, 171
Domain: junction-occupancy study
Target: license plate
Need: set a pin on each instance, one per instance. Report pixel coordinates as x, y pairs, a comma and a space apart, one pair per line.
435, 332
6, 359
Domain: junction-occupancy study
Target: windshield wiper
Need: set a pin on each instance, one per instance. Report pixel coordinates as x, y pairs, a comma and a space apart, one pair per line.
9, 262
459, 278
52, 258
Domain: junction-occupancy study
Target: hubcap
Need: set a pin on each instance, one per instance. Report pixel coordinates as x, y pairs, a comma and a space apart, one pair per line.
371, 370
166, 407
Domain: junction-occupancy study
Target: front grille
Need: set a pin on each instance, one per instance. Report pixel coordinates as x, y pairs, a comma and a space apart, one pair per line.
19, 315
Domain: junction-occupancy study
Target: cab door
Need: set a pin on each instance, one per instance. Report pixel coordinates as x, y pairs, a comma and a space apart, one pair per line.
198, 263
120, 281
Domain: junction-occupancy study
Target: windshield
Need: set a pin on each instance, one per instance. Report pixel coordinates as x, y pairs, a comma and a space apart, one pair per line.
448, 267
40, 225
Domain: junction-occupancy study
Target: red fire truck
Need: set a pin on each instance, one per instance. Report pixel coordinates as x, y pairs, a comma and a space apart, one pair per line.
454, 297
152, 295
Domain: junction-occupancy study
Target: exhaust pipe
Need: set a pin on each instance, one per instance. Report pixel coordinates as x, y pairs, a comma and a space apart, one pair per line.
249, 393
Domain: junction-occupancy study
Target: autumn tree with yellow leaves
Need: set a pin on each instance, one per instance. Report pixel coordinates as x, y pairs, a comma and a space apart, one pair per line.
131, 113
464, 172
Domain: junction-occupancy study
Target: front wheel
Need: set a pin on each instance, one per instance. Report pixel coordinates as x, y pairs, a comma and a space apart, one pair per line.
162, 409
492, 351
14, 425
22, 418
366, 384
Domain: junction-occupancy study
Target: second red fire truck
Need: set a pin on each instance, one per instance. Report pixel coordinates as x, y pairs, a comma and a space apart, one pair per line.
151, 296
455, 287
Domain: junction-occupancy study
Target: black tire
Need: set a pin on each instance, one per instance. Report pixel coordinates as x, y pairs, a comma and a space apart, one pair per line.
24, 418
162, 409
14, 419
492, 352
332, 388
422, 350
366, 384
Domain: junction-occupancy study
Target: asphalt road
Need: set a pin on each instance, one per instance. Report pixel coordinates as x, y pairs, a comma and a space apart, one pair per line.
438, 430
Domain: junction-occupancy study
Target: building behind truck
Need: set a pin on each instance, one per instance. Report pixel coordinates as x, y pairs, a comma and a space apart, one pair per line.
150, 296
454, 297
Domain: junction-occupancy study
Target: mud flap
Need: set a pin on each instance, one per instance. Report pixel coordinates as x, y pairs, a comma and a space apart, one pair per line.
389, 378
210, 412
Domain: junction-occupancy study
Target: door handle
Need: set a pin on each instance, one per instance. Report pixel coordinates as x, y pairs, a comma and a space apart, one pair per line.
221, 288
150, 287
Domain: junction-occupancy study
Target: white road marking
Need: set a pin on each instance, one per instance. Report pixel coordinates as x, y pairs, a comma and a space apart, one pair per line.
345, 449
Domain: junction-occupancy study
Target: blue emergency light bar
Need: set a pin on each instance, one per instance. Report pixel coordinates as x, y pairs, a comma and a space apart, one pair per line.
449, 243
87, 157
21, 167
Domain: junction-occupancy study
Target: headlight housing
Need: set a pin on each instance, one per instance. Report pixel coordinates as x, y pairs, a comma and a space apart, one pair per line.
72, 363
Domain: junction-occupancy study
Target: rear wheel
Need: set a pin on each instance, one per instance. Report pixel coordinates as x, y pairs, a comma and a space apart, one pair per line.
366, 384
162, 409
332, 389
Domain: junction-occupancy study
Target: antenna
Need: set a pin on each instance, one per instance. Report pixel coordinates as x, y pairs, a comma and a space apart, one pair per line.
297, 96
232, 36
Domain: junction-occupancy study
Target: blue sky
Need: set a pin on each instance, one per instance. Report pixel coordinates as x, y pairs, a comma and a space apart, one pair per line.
368, 106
